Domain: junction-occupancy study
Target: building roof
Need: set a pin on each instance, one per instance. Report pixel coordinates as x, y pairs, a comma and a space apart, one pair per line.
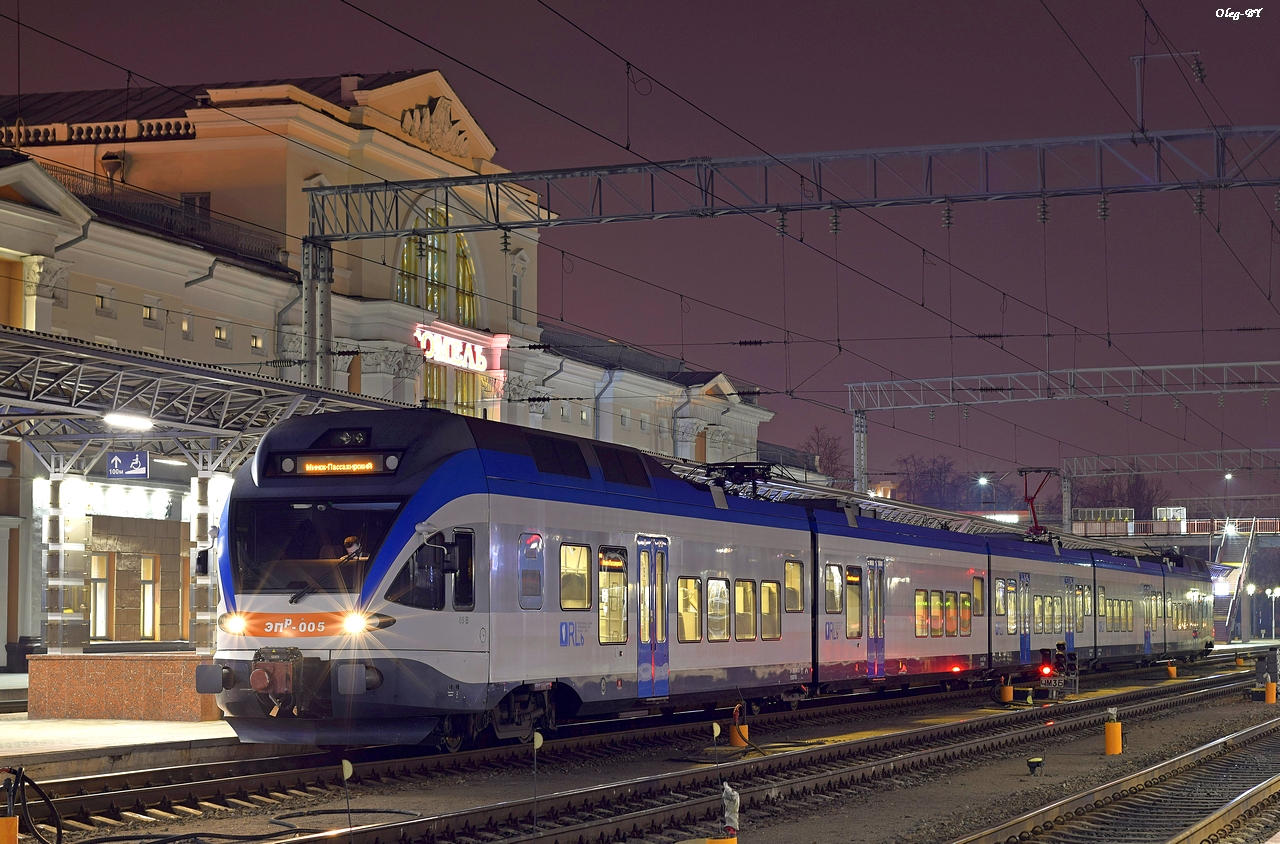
612, 354
156, 102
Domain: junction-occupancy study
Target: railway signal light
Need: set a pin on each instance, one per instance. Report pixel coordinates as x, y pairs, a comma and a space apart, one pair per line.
1060, 660
1073, 664
1046, 662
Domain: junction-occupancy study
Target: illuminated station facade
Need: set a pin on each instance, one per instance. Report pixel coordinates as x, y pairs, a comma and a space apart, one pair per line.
166, 222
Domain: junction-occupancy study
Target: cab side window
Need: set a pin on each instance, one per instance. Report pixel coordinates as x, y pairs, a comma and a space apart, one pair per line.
464, 582
420, 582
530, 571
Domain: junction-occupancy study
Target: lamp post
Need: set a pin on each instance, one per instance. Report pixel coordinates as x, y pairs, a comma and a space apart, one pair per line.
1246, 636
1273, 593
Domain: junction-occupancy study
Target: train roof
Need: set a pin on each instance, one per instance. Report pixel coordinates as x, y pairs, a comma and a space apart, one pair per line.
500, 457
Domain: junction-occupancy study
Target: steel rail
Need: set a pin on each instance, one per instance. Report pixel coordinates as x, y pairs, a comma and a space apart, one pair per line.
1052, 822
627, 809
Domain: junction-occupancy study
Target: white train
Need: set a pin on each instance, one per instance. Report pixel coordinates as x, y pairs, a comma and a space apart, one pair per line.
401, 576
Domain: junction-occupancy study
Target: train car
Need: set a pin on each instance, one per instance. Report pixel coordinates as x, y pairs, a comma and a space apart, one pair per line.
401, 576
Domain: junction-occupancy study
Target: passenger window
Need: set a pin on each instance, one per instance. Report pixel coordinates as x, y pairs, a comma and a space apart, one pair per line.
935, 613
979, 596
853, 602
575, 577
1159, 596
922, 614
1128, 610
530, 571
1037, 614
966, 614
1168, 598
613, 596
833, 589
744, 610
1079, 612
1102, 600
689, 609
420, 583
795, 586
952, 614
464, 581
1088, 601
717, 610
1111, 616
1058, 615
999, 596
770, 610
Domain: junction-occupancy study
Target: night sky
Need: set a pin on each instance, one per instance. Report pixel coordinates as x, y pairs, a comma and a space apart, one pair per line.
809, 77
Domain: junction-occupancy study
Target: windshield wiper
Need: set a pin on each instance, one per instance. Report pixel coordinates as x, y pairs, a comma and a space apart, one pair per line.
313, 586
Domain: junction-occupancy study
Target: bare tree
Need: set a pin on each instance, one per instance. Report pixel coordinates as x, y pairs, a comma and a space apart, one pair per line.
935, 482
1133, 490
832, 455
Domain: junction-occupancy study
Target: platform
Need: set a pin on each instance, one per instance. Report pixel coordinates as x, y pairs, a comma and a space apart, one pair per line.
51, 749
13, 687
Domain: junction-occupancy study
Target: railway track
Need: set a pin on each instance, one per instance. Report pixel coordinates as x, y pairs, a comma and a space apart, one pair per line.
683, 801
1227, 790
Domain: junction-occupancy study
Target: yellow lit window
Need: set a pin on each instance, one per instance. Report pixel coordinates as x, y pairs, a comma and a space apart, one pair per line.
689, 612
922, 614
717, 610
795, 586
613, 596
770, 611
853, 602
575, 577
744, 610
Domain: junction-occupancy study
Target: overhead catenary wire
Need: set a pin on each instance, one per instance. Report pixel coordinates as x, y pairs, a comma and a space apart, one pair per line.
864, 275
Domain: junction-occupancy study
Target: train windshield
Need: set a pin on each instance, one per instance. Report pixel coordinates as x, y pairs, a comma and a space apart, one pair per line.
305, 546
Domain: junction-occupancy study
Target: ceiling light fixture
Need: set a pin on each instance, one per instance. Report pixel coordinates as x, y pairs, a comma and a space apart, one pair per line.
128, 421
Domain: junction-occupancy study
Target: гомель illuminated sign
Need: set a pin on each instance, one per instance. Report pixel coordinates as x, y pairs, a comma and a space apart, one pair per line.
450, 350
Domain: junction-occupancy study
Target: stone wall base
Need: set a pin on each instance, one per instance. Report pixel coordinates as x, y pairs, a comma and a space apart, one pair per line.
134, 687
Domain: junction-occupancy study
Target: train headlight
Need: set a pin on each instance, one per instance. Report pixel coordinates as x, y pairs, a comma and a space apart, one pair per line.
233, 623
354, 622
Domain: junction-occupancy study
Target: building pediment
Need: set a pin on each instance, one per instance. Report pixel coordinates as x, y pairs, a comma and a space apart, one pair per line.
428, 113
27, 183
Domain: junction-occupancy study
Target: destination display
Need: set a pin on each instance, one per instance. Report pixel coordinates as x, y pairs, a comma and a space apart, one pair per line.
339, 464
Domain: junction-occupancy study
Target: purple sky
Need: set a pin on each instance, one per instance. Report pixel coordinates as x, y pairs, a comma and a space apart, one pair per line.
822, 77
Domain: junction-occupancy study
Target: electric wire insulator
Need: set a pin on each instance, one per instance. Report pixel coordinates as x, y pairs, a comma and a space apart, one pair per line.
1278, 200
835, 219
1198, 203
1104, 209
782, 224
947, 218
1197, 70
506, 241
1042, 211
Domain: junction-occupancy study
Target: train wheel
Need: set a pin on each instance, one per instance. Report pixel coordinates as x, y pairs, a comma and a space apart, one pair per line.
455, 733
793, 704
755, 707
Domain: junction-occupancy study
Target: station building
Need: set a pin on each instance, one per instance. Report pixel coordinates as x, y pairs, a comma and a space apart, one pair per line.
165, 224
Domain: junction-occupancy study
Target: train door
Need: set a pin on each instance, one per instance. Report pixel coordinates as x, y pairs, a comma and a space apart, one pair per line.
1147, 605
1069, 621
1024, 617
651, 578
875, 617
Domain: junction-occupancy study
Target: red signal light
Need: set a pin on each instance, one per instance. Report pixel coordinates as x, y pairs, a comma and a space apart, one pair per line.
955, 669
1046, 670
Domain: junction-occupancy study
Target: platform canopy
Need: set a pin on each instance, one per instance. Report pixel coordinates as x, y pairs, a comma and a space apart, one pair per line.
62, 396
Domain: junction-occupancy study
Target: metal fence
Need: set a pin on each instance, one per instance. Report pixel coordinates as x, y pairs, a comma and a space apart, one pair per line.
168, 215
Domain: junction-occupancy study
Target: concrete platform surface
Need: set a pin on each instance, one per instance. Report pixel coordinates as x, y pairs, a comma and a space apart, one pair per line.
52, 749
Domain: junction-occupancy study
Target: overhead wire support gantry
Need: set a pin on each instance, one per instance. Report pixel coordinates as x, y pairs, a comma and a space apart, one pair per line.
1087, 165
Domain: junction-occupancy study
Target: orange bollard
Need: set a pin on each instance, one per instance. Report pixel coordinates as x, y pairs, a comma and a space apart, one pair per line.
1006, 694
738, 734
1173, 671
1239, 662
1269, 696
8, 831
1113, 738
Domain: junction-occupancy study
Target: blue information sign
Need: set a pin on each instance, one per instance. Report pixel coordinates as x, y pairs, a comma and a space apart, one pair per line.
128, 464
